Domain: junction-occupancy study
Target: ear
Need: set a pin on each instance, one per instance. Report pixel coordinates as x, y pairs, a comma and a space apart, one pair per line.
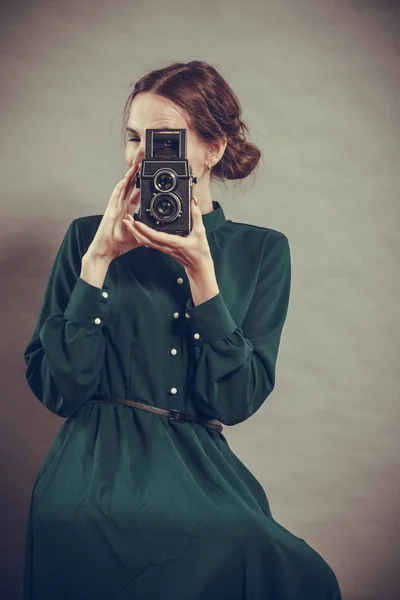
217, 148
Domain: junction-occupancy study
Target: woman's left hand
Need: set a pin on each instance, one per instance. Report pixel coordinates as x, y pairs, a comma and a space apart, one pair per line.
191, 251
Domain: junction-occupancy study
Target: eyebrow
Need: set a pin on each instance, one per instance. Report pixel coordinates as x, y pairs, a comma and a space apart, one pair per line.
131, 130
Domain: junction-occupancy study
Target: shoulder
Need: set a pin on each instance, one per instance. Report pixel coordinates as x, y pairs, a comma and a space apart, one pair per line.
86, 228
264, 238
88, 223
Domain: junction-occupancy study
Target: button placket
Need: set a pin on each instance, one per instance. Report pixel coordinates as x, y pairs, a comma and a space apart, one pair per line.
174, 351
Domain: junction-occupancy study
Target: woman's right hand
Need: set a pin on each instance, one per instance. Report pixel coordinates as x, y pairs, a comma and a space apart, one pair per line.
112, 238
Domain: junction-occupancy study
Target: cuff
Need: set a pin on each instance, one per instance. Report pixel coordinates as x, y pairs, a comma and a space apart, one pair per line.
88, 305
210, 320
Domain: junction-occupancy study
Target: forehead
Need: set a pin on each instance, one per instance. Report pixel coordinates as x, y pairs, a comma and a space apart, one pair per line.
149, 111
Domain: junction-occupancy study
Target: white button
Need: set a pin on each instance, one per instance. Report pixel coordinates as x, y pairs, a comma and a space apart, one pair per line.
196, 336
97, 321
179, 280
105, 294
173, 390
187, 316
176, 315
174, 351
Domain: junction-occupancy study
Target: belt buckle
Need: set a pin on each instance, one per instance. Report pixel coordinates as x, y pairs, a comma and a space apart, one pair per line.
176, 415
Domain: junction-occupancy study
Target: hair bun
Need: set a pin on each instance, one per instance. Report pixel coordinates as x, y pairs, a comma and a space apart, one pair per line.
212, 108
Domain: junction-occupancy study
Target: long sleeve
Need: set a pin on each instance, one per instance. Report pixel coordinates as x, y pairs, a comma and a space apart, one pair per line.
65, 355
235, 366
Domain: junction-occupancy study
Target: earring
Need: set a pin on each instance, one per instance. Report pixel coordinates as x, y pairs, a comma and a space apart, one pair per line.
208, 165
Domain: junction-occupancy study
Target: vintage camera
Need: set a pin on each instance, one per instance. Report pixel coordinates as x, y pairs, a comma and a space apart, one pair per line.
166, 180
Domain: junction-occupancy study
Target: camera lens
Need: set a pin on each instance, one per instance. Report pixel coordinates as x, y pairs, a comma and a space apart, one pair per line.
165, 180
165, 207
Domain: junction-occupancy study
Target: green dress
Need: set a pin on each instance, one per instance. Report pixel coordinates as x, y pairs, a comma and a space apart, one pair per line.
128, 504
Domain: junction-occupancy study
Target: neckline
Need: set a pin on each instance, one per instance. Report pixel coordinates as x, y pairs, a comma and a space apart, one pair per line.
215, 218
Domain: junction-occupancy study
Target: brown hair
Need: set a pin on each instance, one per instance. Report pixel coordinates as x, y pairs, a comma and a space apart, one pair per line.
211, 108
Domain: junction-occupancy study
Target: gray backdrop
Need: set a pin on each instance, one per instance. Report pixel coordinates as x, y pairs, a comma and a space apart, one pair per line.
319, 85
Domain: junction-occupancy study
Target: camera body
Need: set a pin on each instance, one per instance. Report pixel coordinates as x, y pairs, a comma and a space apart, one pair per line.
166, 180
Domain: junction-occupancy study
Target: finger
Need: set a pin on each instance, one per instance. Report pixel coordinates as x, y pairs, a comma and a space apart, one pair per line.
195, 214
134, 197
129, 188
129, 175
132, 168
133, 230
118, 189
129, 182
159, 239
139, 232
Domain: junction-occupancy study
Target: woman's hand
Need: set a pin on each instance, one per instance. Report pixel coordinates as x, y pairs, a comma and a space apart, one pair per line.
112, 237
191, 251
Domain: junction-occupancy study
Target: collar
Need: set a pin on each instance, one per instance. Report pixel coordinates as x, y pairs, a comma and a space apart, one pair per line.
214, 219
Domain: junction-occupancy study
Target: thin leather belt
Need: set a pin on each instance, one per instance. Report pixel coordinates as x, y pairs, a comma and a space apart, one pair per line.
173, 414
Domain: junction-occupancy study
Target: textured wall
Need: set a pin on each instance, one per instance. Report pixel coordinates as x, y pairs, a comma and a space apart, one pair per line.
319, 85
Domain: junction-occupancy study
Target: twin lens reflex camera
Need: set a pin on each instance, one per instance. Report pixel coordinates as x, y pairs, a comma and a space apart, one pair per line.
165, 180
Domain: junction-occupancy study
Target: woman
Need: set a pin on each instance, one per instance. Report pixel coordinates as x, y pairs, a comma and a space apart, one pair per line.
130, 504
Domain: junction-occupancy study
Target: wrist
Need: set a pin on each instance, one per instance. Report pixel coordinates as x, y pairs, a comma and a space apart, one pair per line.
98, 259
203, 269
94, 269
203, 283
